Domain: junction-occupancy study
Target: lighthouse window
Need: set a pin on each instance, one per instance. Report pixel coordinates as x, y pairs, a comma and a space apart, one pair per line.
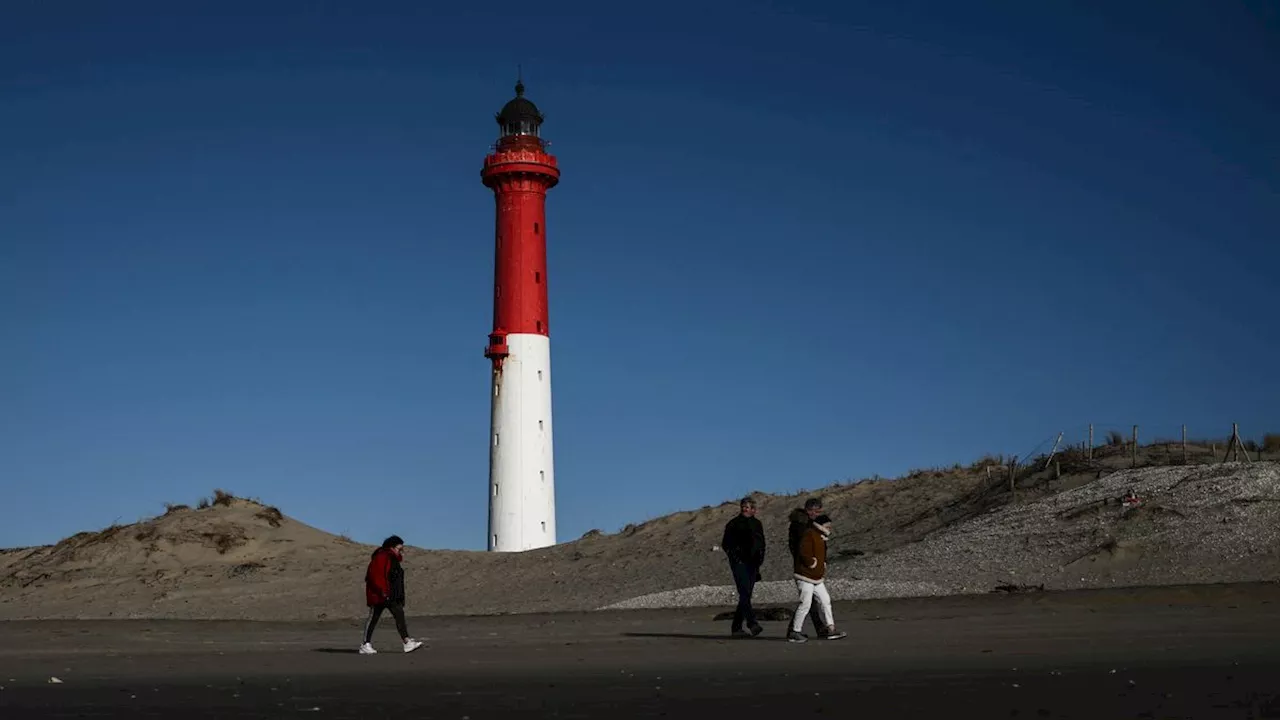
539, 374
495, 439
542, 475
539, 424
537, 276
535, 228
495, 489
544, 526
539, 326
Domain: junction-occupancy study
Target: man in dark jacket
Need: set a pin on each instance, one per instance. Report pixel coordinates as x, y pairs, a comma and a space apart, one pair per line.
384, 590
743, 543
801, 519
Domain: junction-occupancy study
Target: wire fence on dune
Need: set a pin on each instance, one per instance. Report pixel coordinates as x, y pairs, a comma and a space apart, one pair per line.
1200, 448
1107, 447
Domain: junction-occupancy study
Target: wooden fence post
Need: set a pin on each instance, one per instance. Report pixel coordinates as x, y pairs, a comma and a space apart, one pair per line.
1234, 446
1135, 446
1090, 442
1184, 444
1053, 452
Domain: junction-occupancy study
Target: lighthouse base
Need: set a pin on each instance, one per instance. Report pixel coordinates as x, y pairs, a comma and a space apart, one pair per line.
522, 506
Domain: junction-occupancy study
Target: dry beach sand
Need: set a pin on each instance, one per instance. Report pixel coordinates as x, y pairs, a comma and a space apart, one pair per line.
932, 533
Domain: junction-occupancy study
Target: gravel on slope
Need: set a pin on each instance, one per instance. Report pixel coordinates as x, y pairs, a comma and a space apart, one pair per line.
1198, 524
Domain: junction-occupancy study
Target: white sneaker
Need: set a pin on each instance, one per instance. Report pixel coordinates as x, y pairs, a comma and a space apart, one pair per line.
410, 645
367, 649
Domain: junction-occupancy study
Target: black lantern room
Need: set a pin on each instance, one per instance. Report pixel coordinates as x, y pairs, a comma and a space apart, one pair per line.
519, 117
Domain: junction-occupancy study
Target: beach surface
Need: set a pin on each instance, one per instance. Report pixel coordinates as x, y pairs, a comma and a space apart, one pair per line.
1204, 651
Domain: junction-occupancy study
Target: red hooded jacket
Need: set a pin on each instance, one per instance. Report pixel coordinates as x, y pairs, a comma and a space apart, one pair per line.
384, 579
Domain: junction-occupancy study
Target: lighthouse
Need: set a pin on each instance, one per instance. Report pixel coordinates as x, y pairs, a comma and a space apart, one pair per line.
519, 170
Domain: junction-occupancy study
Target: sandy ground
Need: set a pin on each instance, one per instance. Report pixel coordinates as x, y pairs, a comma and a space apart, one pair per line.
934, 532
1201, 652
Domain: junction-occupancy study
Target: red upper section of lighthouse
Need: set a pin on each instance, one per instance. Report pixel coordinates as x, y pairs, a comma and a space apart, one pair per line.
519, 171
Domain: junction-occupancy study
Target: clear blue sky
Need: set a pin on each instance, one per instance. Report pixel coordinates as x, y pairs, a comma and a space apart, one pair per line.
245, 245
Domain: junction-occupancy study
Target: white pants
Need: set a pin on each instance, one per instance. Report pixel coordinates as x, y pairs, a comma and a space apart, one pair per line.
809, 591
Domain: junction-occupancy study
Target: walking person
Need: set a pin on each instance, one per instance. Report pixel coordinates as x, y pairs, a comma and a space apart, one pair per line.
743, 543
810, 573
801, 519
384, 590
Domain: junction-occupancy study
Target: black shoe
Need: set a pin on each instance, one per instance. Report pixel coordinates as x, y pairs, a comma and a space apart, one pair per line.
756, 630
740, 633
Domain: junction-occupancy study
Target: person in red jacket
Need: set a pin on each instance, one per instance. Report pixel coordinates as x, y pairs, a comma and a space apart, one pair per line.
384, 590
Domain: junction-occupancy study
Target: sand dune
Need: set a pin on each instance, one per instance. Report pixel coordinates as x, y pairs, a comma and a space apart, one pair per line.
933, 532
1199, 524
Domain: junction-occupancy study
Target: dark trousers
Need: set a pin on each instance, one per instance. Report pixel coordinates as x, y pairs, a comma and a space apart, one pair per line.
375, 612
744, 577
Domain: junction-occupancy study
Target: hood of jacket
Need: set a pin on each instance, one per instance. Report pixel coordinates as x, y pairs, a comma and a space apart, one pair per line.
388, 551
799, 516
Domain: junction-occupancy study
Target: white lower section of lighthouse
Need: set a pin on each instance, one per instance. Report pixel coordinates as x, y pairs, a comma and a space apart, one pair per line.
522, 500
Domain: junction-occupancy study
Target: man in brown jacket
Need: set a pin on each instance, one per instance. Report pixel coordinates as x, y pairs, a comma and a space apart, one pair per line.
800, 520
810, 572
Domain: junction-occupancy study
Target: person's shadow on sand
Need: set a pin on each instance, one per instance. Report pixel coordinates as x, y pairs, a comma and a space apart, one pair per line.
692, 636
337, 651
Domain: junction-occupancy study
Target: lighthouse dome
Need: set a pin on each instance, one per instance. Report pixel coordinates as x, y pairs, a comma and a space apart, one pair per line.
519, 116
